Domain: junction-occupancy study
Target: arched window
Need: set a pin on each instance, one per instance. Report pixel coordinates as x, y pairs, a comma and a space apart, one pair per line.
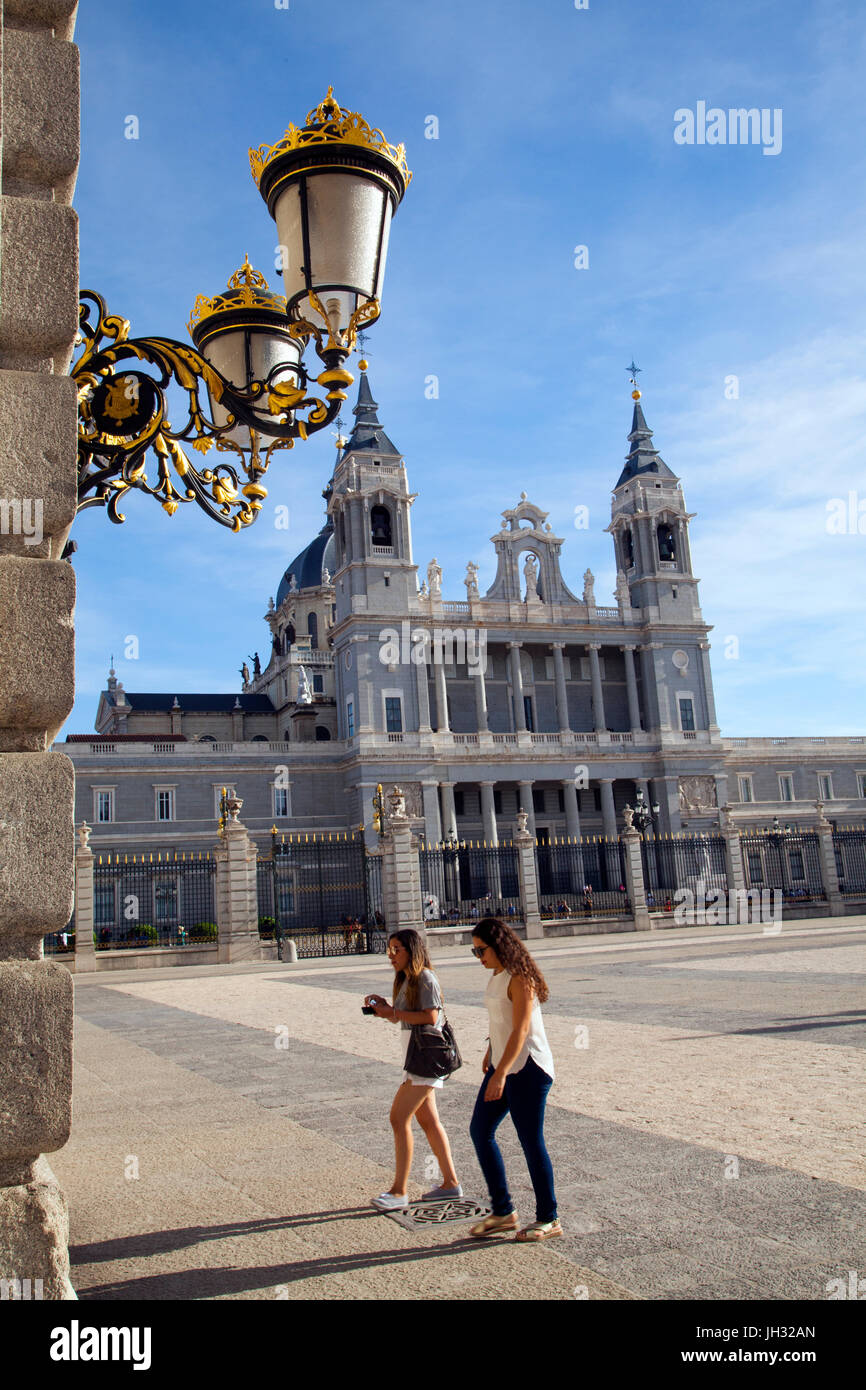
628, 547
313, 630
380, 526
206, 738
322, 734
290, 636
258, 738
666, 543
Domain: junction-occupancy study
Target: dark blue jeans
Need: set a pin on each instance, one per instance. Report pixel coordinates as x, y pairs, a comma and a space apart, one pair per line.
524, 1098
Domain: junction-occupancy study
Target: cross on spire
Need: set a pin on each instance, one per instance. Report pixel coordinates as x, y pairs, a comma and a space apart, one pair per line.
633, 372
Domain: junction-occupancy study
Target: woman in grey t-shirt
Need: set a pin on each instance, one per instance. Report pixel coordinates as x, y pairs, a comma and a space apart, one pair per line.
417, 1000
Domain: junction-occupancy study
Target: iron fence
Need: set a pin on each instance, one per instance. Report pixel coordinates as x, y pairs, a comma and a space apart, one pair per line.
153, 900
60, 943
786, 860
582, 878
850, 851
462, 883
320, 891
675, 862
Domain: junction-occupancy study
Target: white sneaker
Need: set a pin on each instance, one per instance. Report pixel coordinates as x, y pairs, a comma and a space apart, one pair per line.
443, 1193
386, 1201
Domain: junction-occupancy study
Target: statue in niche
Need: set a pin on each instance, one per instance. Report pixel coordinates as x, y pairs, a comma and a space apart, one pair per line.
434, 578
305, 688
471, 580
530, 574
589, 588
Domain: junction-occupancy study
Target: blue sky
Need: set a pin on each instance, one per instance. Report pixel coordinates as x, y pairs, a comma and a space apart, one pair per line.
556, 126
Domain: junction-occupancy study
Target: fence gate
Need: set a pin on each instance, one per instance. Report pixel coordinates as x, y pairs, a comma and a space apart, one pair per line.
581, 878
322, 892
465, 882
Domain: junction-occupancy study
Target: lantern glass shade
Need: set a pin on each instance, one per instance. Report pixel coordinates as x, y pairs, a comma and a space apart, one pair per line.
243, 355
344, 219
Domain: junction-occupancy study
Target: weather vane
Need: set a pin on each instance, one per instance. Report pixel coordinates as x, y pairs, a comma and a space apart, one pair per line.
633, 372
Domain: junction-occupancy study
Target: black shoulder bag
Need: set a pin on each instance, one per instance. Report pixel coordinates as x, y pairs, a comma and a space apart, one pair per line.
432, 1052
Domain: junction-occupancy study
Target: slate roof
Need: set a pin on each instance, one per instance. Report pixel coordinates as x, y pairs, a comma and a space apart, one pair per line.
307, 567
196, 704
642, 457
368, 435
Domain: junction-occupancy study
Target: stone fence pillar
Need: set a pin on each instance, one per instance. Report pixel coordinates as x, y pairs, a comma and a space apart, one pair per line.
524, 843
236, 892
634, 880
734, 867
85, 953
829, 872
401, 869
38, 472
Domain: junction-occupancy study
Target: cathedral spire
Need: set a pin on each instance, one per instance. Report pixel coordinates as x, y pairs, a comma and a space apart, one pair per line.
642, 456
368, 435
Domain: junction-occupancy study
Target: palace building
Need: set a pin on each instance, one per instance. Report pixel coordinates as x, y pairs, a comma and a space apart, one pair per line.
530, 695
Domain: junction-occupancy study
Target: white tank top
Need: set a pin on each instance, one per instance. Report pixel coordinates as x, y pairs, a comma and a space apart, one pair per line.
500, 1010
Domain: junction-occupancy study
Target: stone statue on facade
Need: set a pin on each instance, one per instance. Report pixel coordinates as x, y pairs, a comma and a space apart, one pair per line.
471, 580
293, 584
245, 674
422, 592
397, 804
530, 574
621, 594
305, 688
628, 817
326, 576
257, 666
434, 578
589, 588
697, 795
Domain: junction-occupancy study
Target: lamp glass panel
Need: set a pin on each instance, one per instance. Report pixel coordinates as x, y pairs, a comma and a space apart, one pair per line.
267, 350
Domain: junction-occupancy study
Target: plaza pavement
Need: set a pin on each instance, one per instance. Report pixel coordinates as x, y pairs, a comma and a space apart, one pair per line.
706, 1126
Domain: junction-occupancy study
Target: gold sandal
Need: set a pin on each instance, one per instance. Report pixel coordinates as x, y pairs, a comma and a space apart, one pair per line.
540, 1230
495, 1225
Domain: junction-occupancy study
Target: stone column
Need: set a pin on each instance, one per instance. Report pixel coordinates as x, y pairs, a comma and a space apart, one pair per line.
829, 872
516, 686
526, 804
449, 813
38, 474
561, 691
85, 953
524, 843
488, 813
634, 880
631, 688
236, 892
441, 697
670, 819
480, 701
423, 698
572, 812
401, 870
599, 722
432, 818
607, 807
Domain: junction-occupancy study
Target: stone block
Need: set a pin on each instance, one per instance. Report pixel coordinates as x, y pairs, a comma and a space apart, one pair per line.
40, 115
38, 463
36, 848
37, 601
35, 1058
58, 15
34, 1233
38, 285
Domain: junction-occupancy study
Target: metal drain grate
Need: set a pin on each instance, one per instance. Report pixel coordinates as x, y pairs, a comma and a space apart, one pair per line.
437, 1213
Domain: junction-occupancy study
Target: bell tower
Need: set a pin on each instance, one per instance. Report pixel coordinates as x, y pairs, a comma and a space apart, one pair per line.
369, 504
650, 529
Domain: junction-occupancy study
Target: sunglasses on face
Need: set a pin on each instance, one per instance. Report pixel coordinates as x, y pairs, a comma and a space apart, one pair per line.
479, 951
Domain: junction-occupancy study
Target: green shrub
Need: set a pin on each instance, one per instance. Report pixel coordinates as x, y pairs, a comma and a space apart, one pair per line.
204, 931
267, 926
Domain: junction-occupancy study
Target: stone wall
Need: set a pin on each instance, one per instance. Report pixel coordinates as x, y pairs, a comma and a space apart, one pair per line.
39, 295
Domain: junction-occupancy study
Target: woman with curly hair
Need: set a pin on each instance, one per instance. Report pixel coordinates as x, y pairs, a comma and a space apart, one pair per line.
416, 999
518, 1073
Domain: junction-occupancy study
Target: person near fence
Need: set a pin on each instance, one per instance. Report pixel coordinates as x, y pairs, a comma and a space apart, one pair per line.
518, 1074
416, 999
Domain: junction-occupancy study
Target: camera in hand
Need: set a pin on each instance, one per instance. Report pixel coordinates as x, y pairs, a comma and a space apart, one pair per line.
369, 1008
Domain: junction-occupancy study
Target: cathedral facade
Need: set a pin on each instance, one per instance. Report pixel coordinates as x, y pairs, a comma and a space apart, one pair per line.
529, 695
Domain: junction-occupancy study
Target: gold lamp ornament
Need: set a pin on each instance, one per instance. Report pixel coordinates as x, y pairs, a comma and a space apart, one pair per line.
332, 186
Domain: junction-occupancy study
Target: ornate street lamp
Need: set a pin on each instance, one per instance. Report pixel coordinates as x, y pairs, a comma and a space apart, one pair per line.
643, 814
332, 186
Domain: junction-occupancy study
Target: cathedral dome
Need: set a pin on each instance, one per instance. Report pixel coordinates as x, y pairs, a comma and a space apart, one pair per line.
308, 567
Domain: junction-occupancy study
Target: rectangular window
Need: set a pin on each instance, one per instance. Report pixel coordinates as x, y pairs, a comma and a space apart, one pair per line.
561, 797
458, 803
104, 806
687, 715
497, 802
103, 904
217, 798
861, 782
165, 900
596, 793
393, 714
318, 684
795, 860
825, 786
786, 787
537, 800
281, 801
756, 871
527, 713
746, 793
350, 719
165, 805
